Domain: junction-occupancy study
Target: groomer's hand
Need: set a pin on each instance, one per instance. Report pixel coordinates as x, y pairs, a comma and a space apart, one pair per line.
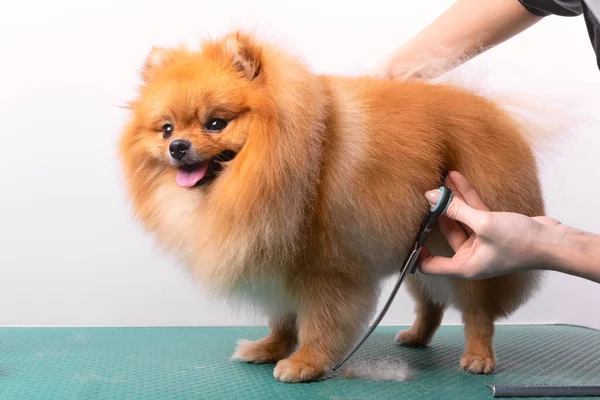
485, 243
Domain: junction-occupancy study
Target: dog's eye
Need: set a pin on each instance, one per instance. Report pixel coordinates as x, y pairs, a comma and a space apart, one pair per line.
167, 130
215, 125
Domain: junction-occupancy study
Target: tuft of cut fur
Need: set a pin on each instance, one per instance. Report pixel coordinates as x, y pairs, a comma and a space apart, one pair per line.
324, 195
380, 369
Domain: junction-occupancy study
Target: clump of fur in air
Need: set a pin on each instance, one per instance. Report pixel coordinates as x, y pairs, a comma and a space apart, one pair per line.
380, 369
427, 66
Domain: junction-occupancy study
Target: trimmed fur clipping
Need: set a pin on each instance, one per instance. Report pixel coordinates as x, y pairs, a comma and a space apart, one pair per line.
380, 369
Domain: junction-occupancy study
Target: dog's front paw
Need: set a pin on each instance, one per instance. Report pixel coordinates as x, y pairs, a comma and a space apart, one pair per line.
263, 351
478, 363
289, 370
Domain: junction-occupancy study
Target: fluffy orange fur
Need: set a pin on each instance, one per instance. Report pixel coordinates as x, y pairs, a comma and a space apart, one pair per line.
325, 195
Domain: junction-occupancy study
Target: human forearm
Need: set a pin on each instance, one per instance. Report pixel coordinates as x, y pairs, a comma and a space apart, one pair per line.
466, 29
573, 252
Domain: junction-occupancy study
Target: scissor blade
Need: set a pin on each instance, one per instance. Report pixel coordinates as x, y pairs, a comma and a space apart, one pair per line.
408, 267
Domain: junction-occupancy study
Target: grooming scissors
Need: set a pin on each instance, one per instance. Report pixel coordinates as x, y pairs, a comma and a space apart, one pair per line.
410, 262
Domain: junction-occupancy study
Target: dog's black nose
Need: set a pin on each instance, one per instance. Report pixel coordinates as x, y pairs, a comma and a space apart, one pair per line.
178, 148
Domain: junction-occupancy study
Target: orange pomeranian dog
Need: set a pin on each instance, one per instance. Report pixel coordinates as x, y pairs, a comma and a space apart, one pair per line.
300, 193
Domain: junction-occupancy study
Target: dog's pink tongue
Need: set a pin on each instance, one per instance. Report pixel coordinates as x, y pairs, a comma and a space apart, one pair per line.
189, 179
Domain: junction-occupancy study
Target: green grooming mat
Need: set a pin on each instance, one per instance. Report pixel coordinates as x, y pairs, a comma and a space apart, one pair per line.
193, 363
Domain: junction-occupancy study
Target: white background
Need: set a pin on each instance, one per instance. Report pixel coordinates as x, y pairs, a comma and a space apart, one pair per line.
70, 254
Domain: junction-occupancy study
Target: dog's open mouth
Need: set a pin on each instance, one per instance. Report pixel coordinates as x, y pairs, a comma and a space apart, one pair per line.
198, 174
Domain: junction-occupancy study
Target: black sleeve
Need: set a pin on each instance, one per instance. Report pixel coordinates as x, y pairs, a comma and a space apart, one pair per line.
544, 8
568, 8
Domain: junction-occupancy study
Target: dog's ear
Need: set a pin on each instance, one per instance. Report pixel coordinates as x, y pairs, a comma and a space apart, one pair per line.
156, 59
244, 53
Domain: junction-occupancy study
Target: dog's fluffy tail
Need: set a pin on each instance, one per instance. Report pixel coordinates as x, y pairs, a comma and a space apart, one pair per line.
545, 114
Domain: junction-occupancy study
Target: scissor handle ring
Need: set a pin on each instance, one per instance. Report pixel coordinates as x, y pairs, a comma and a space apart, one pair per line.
445, 199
